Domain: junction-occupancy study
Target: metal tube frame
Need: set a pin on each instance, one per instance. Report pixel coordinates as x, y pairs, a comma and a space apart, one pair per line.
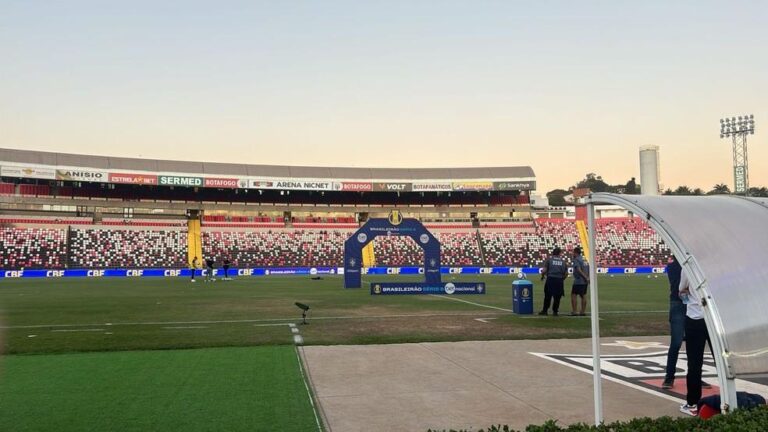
594, 315
725, 376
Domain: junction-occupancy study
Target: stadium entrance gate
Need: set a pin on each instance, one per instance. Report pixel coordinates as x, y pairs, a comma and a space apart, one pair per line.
395, 225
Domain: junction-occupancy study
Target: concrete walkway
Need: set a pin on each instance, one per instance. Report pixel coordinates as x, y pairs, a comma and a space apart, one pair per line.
414, 387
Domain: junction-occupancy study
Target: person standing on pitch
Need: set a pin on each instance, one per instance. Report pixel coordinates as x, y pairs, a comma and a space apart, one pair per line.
225, 266
676, 322
580, 282
209, 273
696, 337
193, 266
555, 271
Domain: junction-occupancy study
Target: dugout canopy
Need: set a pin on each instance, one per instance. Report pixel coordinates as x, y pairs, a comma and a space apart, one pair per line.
722, 244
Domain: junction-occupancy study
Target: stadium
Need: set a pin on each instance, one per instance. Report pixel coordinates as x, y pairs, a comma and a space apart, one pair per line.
107, 245
383, 216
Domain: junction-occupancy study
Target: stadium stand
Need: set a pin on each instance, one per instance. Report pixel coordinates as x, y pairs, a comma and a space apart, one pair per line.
34, 190
145, 222
37, 220
32, 248
397, 251
279, 248
50, 242
127, 248
524, 248
7, 188
458, 249
629, 242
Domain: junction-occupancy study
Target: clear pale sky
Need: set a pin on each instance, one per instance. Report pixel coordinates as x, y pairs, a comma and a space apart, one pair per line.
567, 87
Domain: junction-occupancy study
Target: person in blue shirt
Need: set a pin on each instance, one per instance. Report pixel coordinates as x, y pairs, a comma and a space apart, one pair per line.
580, 283
676, 321
555, 271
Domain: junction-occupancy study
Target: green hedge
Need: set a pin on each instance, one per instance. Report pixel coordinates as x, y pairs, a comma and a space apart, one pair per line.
753, 420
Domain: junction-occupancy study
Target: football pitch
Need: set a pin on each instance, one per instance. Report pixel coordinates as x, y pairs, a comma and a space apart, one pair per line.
119, 351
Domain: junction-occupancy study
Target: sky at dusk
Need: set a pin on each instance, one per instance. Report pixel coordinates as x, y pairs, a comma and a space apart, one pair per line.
565, 87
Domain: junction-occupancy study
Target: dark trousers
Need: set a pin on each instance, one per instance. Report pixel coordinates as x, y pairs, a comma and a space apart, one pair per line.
553, 292
696, 337
193, 273
677, 333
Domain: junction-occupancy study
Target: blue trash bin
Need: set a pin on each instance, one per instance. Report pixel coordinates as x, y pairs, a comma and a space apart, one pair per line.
522, 297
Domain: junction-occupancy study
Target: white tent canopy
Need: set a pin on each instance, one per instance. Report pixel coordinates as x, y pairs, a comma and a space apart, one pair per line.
722, 243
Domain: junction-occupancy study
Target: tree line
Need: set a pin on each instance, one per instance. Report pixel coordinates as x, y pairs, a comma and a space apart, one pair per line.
595, 183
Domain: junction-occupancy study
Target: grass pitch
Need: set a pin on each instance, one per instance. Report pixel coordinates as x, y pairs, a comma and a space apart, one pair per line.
76, 315
225, 389
253, 380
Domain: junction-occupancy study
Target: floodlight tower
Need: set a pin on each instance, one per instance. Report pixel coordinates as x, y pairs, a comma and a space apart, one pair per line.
737, 130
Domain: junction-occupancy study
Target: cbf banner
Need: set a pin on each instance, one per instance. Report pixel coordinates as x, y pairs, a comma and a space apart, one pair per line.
395, 225
450, 288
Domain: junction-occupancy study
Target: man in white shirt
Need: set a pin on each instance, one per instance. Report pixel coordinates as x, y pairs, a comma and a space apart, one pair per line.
696, 338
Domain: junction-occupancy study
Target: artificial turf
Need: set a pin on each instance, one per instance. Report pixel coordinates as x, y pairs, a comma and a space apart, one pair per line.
217, 389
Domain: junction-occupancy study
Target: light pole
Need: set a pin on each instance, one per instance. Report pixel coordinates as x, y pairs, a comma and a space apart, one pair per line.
737, 129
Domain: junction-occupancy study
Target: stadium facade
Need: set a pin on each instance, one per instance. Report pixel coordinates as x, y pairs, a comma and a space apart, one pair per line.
65, 211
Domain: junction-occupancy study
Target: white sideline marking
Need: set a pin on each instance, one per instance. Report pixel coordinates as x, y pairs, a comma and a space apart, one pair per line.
484, 320
309, 393
472, 303
271, 325
77, 330
243, 321
352, 317
630, 312
184, 327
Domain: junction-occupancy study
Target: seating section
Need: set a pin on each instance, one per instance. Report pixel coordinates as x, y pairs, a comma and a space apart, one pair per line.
34, 190
22, 248
629, 242
525, 248
459, 249
26, 242
397, 251
7, 188
127, 248
145, 222
294, 248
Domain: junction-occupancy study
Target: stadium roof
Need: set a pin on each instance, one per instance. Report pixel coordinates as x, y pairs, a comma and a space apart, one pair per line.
721, 243
271, 171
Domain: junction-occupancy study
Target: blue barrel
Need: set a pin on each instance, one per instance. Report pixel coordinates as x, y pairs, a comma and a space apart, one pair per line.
522, 297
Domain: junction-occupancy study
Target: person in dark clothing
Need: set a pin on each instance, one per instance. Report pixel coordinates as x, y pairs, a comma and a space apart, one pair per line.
555, 271
676, 322
209, 274
696, 337
225, 266
580, 282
